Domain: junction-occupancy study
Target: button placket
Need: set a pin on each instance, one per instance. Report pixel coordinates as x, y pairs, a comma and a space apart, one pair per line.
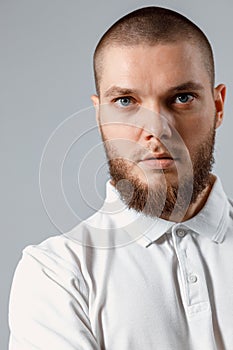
178, 235
192, 272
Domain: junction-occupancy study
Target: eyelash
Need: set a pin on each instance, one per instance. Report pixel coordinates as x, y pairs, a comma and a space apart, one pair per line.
184, 94
131, 99
171, 101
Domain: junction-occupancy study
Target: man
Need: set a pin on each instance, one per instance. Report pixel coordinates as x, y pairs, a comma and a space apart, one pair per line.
153, 268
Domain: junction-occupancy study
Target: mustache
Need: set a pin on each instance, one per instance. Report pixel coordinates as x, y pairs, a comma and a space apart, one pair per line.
145, 153
134, 151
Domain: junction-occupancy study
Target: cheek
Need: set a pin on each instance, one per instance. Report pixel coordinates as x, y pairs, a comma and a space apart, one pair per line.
121, 140
119, 131
195, 129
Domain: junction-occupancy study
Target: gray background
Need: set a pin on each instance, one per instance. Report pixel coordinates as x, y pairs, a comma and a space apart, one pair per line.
46, 76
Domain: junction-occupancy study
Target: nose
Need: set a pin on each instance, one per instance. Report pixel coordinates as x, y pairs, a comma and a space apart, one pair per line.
155, 126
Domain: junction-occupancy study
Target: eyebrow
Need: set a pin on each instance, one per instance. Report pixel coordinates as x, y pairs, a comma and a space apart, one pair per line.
116, 91
119, 91
190, 85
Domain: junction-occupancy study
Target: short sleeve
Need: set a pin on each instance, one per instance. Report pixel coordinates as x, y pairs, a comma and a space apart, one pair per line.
48, 306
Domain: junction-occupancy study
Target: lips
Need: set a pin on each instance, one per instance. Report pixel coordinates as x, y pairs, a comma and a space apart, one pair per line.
158, 161
157, 156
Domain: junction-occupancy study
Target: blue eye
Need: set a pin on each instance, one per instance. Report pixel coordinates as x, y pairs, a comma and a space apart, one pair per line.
124, 101
184, 98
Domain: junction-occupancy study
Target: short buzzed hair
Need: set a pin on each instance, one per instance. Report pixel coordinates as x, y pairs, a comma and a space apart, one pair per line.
153, 25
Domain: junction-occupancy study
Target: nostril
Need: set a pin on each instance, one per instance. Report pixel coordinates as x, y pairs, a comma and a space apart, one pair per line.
163, 132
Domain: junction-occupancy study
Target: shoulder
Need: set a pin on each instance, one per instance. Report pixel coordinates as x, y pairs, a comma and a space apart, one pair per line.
67, 250
57, 253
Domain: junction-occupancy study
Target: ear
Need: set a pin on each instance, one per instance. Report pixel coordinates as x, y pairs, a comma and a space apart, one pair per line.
96, 102
219, 98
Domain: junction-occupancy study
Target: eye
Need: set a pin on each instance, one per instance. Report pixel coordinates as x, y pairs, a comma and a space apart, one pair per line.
184, 98
124, 101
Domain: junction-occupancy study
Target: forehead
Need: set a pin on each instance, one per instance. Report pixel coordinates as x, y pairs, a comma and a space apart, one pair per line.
157, 66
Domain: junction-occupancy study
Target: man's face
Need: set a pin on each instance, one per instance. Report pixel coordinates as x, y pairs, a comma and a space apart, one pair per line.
157, 115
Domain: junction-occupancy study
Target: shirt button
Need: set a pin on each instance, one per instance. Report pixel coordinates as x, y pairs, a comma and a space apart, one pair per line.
180, 233
192, 279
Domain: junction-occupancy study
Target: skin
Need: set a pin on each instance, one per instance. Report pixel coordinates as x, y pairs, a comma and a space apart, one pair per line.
169, 82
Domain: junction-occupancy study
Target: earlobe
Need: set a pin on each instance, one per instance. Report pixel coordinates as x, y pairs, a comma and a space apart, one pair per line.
219, 98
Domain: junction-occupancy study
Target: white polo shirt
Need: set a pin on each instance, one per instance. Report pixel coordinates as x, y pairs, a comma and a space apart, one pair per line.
121, 281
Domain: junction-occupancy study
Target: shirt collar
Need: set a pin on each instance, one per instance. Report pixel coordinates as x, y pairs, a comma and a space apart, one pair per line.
213, 218
210, 222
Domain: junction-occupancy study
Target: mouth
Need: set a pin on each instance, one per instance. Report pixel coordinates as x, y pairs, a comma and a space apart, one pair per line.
158, 162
